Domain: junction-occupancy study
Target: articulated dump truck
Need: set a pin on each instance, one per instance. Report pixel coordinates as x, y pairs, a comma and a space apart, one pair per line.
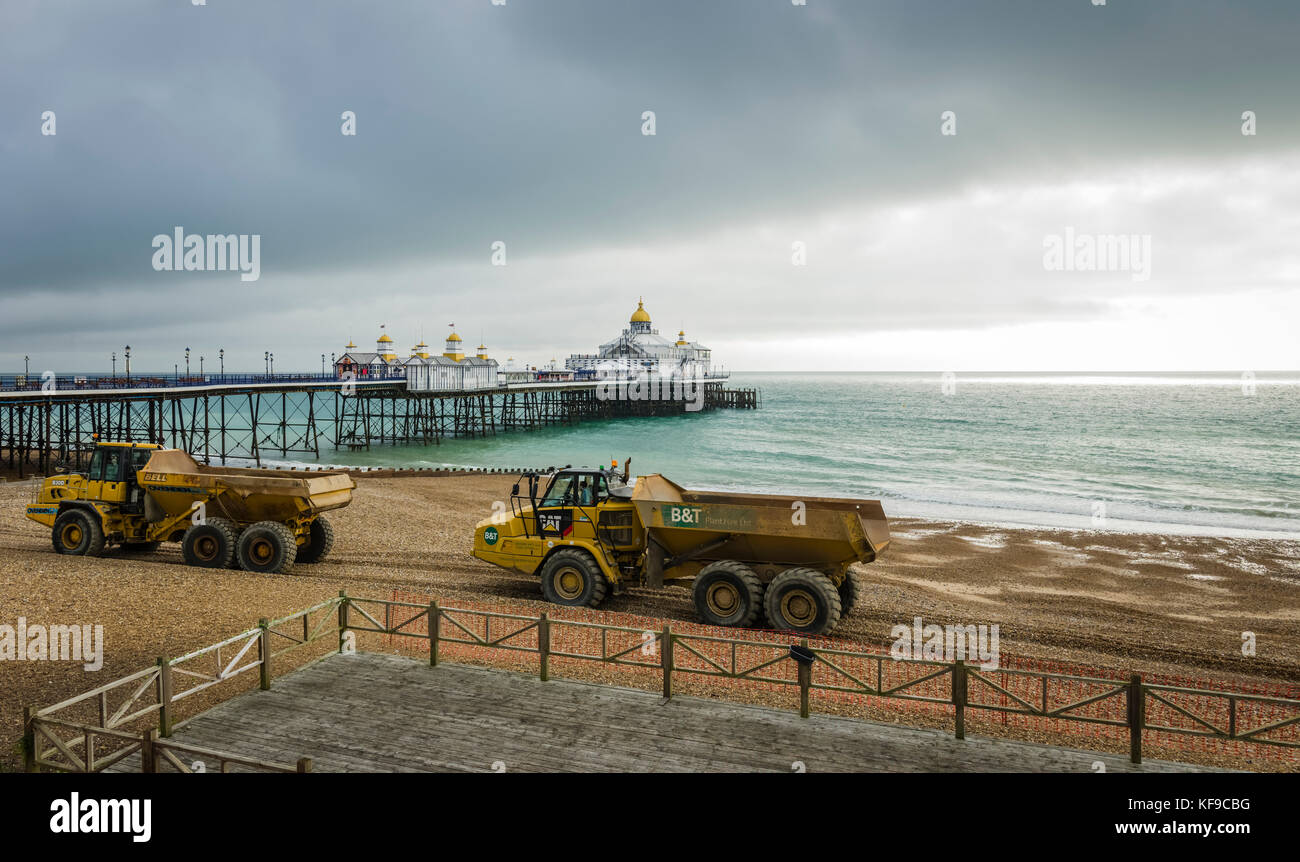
138, 495
751, 559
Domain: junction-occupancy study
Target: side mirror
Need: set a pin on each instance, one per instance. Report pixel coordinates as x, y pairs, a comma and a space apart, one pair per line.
514, 490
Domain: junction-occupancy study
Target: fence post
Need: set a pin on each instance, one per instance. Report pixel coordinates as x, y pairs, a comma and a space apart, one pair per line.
435, 631
148, 760
805, 681
1136, 717
264, 650
29, 739
343, 617
959, 698
544, 646
666, 659
164, 697
88, 751
304, 764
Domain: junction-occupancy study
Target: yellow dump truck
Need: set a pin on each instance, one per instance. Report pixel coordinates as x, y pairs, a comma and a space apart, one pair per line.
749, 557
138, 495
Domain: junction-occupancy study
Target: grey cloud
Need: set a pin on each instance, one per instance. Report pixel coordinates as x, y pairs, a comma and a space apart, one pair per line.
521, 123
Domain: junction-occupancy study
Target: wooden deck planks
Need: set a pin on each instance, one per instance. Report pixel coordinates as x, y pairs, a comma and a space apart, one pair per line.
371, 712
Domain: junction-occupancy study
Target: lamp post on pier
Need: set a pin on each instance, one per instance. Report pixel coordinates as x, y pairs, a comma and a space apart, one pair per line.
187, 362
114, 364
222, 355
128, 363
266, 361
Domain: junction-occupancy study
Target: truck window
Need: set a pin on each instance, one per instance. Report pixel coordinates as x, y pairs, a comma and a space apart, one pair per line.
139, 457
96, 465
560, 492
112, 466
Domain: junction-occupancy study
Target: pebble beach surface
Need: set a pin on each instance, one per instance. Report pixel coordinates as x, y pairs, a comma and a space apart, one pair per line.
1122, 601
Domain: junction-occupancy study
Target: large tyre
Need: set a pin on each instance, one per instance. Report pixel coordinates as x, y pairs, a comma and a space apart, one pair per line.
234, 531
848, 590
210, 545
140, 547
267, 547
802, 600
571, 577
79, 533
728, 593
320, 541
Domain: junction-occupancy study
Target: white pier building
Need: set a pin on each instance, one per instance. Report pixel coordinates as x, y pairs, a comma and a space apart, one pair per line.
641, 350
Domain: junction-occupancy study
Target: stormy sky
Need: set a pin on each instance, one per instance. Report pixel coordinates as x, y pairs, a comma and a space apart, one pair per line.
775, 124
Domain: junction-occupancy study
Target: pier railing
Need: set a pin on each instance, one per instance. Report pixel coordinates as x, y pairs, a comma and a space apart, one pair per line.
109, 382
658, 654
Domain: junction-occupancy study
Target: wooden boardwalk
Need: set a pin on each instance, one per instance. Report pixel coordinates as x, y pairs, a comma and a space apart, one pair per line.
371, 712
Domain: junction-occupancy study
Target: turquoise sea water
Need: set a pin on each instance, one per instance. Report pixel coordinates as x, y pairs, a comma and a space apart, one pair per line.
1189, 453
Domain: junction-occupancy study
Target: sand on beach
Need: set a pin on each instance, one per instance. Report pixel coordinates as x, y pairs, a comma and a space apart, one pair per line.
1127, 602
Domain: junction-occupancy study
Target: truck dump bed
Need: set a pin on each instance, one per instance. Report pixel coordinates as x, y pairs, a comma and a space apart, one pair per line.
794, 531
175, 481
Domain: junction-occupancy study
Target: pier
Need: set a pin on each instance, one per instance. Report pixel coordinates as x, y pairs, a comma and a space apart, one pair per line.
253, 418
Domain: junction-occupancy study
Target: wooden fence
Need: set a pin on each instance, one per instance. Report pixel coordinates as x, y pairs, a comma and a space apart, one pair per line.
782, 661
55, 740
64, 738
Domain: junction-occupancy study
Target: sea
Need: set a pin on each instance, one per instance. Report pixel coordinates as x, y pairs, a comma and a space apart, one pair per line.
1197, 453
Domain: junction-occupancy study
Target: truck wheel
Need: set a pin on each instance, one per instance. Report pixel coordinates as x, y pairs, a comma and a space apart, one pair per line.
267, 547
234, 541
79, 533
320, 541
728, 593
210, 545
848, 590
571, 577
802, 600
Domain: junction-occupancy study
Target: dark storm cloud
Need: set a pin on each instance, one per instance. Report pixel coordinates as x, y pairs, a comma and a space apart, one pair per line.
479, 122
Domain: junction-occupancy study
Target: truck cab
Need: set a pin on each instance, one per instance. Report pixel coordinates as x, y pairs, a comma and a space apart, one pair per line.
111, 475
103, 503
562, 516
